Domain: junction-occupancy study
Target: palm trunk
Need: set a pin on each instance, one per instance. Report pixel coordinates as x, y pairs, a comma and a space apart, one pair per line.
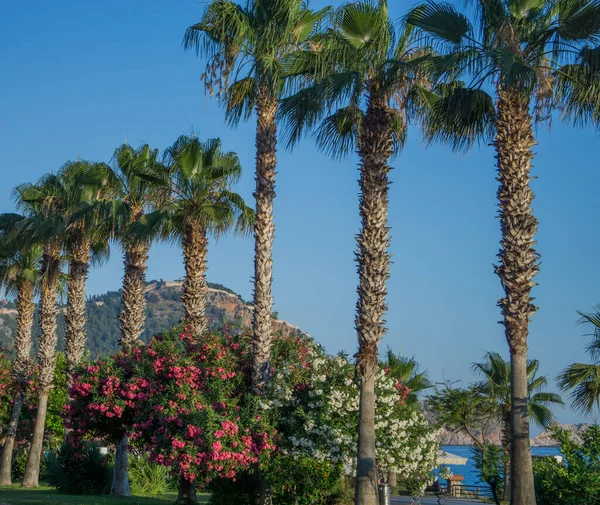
506, 445
133, 302
120, 483
21, 374
187, 493
132, 318
31, 478
75, 316
46, 357
366, 469
9, 442
375, 148
517, 269
522, 484
264, 232
195, 249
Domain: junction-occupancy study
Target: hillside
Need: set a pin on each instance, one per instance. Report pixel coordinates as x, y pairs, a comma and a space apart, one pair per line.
163, 312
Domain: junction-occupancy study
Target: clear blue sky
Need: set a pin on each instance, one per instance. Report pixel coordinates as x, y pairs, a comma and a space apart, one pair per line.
79, 78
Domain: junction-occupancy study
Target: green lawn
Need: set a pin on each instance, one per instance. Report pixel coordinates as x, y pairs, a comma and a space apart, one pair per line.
45, 495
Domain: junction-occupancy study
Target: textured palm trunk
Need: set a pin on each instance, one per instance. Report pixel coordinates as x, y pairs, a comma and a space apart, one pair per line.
21, 374
133, 303
517, 269
46, 357
132, 319
195, 249
75, 317
264, 233
375, 149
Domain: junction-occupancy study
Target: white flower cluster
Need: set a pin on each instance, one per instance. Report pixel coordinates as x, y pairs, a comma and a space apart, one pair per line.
319, 415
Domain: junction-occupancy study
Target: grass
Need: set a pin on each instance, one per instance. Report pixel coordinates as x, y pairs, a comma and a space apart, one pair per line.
15, 495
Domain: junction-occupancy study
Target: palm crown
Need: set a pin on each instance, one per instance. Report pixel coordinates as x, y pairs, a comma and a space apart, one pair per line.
538, 48
583, 379
252, 42
360, 55
496, 384
198, 177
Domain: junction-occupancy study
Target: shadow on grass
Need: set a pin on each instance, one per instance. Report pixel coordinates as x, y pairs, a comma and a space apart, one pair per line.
16, 495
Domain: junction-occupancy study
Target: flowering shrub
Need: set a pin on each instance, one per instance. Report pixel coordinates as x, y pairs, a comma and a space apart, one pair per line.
316, 399
182, 398
5, 390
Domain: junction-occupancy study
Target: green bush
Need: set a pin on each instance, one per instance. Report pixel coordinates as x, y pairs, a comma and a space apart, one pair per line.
147, 478
19, 462
292, 481
79, 470
575, 481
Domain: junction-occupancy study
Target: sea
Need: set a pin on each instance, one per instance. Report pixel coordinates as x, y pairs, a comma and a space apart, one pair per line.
469, 472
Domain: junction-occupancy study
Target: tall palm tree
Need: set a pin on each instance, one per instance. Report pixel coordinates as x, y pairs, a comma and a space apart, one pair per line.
43, 223
133, 197
80, 183
124, 199
199, 176
252, 42
583, 379
496, 375
518, 51
360, 74
19, 277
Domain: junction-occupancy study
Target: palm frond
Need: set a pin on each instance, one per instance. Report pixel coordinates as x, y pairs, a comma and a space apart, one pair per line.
442, 21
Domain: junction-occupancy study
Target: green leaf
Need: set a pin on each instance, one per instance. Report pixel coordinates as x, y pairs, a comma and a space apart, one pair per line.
441, 20
514, 70
579, 20
520, 8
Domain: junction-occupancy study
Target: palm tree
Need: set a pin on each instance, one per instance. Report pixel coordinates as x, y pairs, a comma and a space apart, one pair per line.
80, 183
199, 176
522, 50
496, 386
583, 379
361, 74
124, 199
252, 42
133, 196
408, 371
19, 277
43, 223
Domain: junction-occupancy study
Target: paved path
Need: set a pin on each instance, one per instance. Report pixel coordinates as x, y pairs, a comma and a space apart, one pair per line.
432, 500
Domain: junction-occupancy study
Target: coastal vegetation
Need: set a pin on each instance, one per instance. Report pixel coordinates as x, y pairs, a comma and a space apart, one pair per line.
264, 414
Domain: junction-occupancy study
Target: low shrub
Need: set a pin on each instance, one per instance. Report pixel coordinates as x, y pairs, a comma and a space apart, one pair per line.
148, 478
79, 470
575, 481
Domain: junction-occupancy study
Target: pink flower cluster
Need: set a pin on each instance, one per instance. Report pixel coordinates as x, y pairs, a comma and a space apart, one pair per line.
182, 398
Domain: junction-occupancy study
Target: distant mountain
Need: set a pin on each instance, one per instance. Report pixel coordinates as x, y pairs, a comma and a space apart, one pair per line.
163, 312
545, 440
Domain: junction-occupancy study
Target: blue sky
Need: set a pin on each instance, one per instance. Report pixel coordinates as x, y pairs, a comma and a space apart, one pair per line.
79, 78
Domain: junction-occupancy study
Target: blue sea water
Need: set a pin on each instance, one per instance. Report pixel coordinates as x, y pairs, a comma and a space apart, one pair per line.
469, 472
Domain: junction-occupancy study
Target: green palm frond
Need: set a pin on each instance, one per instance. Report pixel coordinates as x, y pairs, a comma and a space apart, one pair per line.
578, 20
583, 380
514, 70
441, 20
457, 115
540, 414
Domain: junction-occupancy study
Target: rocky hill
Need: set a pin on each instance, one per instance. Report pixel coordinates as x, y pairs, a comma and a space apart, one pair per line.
163, 312
544, 439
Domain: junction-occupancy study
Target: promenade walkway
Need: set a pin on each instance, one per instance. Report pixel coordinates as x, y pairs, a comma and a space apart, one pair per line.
432, 500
